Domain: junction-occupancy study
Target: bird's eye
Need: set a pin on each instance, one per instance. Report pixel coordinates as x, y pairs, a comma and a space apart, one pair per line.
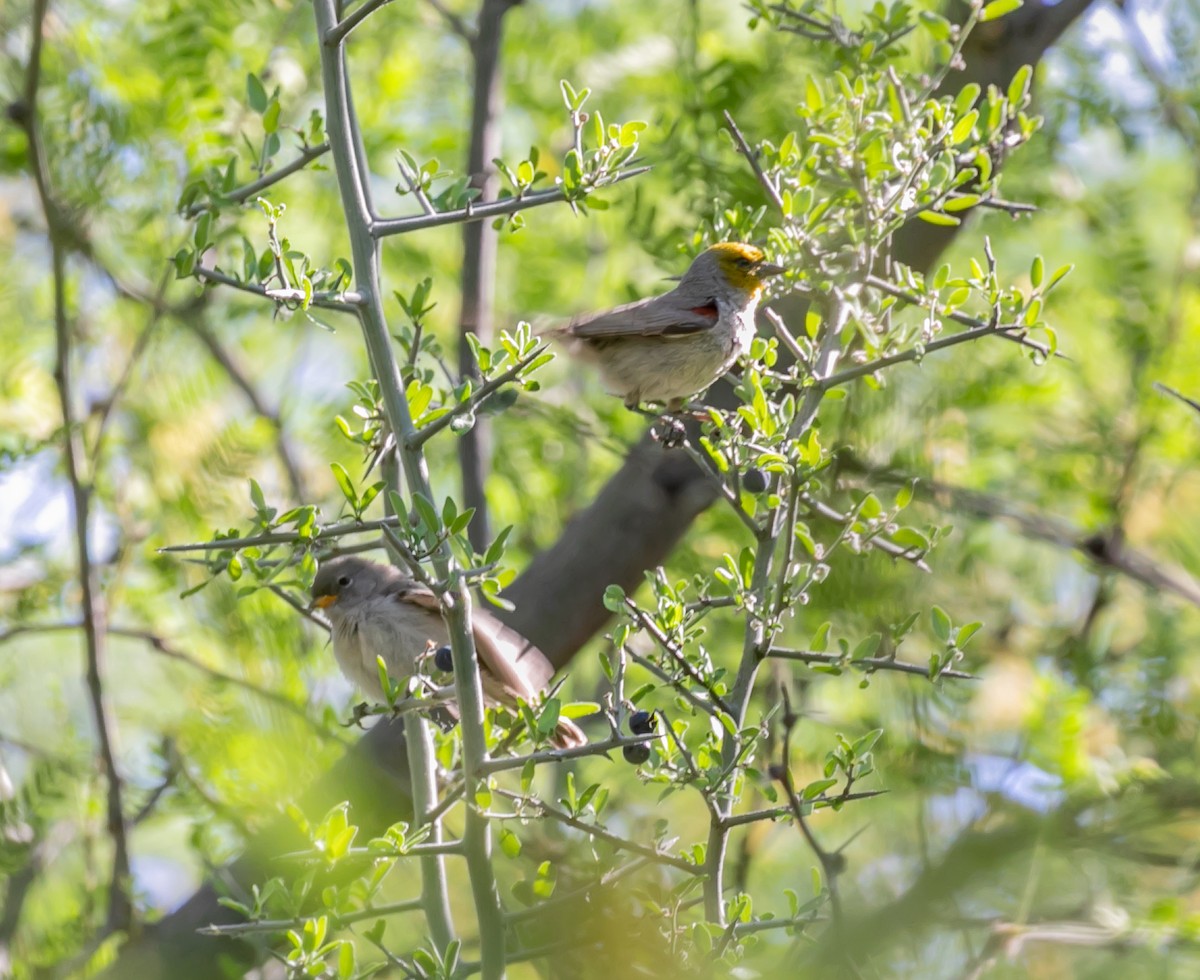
344, 581
744, 262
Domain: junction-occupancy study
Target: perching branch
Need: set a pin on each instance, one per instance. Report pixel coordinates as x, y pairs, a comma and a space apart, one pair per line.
350, 166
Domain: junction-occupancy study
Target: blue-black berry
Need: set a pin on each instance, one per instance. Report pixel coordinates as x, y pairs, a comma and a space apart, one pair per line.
443, 659
641, 723
754, 480
635, 755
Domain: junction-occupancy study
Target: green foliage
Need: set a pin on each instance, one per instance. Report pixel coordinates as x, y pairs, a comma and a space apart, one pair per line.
1049, 496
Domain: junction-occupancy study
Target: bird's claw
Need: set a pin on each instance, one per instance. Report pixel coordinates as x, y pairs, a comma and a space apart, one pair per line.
361, 710
669, 431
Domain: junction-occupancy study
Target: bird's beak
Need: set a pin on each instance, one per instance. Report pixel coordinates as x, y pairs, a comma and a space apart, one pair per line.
324, 602
766, 269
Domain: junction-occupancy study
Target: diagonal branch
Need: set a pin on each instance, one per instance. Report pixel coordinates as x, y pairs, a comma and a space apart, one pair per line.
247, 192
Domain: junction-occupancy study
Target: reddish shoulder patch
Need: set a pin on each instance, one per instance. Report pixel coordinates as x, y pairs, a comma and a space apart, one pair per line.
709, 311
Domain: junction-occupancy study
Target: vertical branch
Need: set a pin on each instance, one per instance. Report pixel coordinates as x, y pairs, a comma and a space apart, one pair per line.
345, 144
435, 895
754, 647
435, 892
120, 907
479, 251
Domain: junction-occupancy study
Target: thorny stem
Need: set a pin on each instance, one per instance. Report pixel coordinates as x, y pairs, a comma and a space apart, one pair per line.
120, 906
426, 432
633, 847
868, 664
340, 301
456, 602
384, 227
247, 192
336, 922
285, 537
756, 640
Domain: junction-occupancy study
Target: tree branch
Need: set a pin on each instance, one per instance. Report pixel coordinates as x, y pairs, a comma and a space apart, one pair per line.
384, 227
120, 905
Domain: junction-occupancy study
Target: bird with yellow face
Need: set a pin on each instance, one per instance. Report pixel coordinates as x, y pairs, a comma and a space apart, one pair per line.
667, 348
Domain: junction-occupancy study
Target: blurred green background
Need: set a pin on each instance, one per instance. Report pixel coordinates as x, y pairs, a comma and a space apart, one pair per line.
1039, 821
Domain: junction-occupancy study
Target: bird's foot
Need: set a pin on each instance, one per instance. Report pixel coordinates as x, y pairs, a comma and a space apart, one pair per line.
669, 431
361, 710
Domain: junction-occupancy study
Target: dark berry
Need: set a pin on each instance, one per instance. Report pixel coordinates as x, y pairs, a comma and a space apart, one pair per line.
18, 112
754, 480
641, 723
635, 755
443, 659
776, 771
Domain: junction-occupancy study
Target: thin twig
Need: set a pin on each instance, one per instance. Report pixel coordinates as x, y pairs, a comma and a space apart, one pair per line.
285, 537
384, 227
427, 432
633, 847
752, 159
247, 192
338, 33
868, 664
343, 302
676, 655
335, 922
453, 21
561, 755
120, 907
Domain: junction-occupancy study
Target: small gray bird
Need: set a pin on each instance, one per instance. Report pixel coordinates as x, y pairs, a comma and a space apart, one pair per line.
378, 611
666, 348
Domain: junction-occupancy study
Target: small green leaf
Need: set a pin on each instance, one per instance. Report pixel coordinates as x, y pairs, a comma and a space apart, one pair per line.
936, 218
510, 844
614, 598
816, 788
966, 98
270, 118
345, 483
964, 634
941, 623
998, 8
256, 95
1018, 88
867, 647
966, 125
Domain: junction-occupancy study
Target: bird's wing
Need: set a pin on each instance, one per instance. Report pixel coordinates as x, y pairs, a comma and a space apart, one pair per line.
648, 318
512, 660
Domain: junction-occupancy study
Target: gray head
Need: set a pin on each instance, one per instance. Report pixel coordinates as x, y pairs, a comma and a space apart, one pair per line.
732, 268
349, 580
